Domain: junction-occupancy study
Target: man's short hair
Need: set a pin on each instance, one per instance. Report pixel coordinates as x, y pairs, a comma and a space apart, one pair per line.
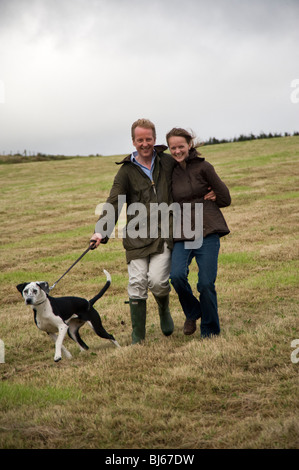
146, 124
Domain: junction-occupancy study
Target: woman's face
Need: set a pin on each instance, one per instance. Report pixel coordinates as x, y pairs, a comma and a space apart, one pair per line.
179, 148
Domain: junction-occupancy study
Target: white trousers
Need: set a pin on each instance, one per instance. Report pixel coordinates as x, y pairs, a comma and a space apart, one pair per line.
150, 273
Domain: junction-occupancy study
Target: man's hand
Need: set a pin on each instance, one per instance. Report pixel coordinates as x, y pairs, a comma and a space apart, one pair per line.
95, 240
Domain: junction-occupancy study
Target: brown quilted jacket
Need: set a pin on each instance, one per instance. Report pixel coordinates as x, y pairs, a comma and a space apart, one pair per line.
191, 185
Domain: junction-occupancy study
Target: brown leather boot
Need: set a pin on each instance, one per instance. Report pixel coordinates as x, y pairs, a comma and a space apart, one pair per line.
189, 327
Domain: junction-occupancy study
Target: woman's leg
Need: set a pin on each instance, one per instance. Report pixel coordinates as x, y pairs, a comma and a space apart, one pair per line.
207, 261
180, 262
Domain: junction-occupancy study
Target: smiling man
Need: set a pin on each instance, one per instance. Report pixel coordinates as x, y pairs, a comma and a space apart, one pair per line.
144, 178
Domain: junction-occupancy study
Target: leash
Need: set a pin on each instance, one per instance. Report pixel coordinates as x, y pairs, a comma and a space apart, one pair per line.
91, 247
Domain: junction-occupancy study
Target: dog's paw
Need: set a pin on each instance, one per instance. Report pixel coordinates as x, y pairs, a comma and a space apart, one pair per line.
67, 354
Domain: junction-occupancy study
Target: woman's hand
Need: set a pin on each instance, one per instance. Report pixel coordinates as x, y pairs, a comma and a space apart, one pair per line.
210, 196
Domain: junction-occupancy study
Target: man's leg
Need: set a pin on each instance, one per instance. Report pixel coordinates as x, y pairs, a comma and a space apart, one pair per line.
137, 290
158, 283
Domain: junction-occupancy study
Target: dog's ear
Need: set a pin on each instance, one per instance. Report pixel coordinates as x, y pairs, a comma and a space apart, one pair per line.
22, 286
44, 286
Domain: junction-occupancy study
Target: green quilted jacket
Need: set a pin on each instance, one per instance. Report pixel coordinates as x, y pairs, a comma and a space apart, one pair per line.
133, 184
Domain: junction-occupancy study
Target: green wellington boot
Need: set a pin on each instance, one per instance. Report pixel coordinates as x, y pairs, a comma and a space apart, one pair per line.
166, 321
138, 319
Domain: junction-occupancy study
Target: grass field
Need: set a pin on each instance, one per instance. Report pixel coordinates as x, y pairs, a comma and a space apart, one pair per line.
239, 390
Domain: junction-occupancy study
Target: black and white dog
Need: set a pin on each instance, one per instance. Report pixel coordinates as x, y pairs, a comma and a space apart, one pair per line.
64, 314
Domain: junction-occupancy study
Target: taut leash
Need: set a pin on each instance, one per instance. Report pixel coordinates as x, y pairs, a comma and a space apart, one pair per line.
91, 247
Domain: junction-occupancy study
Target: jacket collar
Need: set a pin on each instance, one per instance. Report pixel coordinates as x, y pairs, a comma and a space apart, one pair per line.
158, 148
193, 153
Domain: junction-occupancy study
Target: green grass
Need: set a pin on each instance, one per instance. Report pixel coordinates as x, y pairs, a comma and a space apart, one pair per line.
239, 390
12, 395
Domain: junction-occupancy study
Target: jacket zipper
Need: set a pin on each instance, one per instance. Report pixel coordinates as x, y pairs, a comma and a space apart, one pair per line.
154, 187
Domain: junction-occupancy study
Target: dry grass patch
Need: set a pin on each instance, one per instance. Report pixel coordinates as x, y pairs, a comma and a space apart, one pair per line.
239, 390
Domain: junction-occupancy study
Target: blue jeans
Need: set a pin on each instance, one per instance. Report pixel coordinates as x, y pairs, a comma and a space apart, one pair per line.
207, 261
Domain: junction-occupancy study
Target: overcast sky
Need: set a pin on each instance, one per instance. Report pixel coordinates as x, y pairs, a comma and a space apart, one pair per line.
75, 74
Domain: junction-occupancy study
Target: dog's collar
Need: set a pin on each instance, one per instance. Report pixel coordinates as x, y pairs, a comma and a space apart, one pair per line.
41, 302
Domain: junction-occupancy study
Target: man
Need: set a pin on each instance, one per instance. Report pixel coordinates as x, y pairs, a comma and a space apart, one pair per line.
144, 177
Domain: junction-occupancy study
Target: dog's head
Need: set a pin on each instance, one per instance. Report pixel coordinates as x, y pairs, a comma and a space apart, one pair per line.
33, 292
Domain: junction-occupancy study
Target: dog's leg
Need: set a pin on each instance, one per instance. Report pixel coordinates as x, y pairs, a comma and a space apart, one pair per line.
62, 329
115, 343
73, 332
96, 324
63, 349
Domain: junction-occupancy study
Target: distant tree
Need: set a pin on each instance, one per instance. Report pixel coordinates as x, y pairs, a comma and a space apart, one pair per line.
243, 137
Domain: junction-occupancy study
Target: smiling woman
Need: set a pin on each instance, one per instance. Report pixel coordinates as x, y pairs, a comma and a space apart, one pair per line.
194, 181
179, 149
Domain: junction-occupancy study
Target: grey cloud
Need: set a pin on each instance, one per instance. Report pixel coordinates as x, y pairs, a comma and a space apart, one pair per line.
77, 73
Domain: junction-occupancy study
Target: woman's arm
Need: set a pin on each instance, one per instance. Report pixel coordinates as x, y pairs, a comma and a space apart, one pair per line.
217, 186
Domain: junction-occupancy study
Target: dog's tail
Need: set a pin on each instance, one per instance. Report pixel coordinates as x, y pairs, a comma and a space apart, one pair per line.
102, 291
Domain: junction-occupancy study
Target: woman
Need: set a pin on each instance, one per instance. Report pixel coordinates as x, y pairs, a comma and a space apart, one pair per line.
194, 180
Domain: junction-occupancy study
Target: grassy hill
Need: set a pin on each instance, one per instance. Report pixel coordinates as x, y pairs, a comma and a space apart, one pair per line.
239, 390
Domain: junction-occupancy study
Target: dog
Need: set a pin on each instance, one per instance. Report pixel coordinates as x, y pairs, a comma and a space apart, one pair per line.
64, 314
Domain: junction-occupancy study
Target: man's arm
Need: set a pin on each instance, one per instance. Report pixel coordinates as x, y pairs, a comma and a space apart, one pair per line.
118, 189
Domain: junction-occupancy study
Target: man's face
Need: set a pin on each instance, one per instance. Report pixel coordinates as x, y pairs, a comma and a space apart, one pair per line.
144, 142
